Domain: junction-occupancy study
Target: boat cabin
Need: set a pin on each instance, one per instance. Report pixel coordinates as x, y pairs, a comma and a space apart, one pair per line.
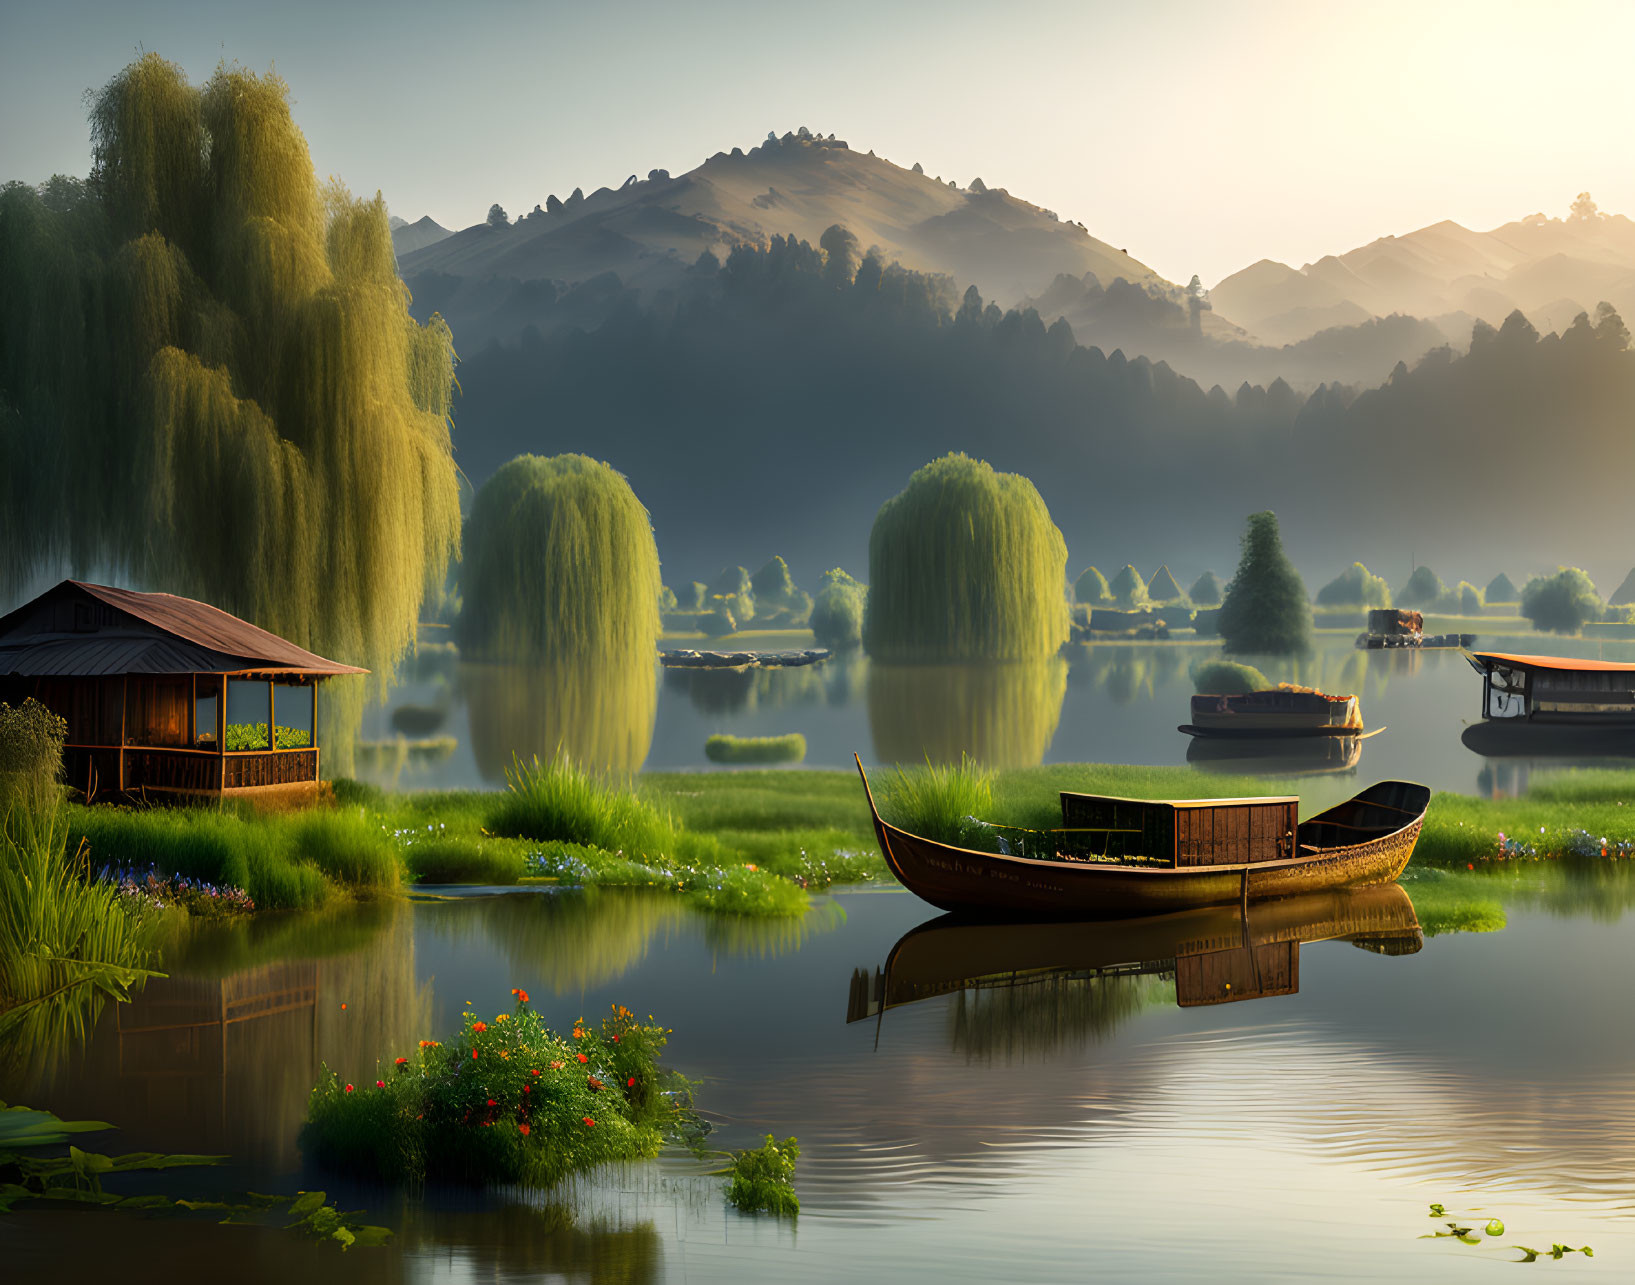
1174, 833
167, 696
1555, 689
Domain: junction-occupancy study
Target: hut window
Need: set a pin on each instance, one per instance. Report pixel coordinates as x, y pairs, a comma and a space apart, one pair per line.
292, 714
249, 704
206, 700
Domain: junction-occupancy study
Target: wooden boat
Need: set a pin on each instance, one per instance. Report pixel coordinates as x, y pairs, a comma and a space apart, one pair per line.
1279, 711
1116, 857
1561, 690
1218, 954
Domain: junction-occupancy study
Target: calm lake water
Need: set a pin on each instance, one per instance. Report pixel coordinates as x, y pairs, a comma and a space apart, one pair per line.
1109, 703
1072, 1126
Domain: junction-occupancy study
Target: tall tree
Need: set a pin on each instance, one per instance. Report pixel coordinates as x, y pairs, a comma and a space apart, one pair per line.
211, 383
1266, 611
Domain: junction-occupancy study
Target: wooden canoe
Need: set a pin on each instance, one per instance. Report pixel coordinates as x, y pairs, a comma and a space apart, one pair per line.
1367, 839
1217, 954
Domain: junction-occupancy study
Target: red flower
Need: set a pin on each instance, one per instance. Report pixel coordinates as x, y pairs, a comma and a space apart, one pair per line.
589, 1123
479, 1027
492, 1103
527, 1088
349, 1088
380, 1084
403, 1061
521, 994
630, 1083
524, 1130
581, 1057
535, 1071
615, 1039
473, 1055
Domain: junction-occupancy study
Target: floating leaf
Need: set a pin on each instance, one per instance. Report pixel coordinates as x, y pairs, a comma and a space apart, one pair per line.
146, 1202
306, 1203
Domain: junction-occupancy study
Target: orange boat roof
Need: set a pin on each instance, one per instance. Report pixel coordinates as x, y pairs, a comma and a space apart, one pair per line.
1550, 662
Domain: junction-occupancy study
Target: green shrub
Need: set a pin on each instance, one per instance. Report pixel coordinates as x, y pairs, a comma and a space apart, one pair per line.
763, 1179
1468, 599
1356, 586
559, 565
1500, 589
31, 741
1205, 591
836, 620
1162, 587
1423, 590
1091, 588
772, 584
723, 748
717, 624
1228, 678
505, 1102
253, 736
940, 802
1128, 590
696, 593
1267, 610
1562, 603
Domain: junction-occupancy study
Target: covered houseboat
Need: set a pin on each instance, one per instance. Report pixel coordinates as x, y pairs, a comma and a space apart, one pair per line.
1545, 704
166, 696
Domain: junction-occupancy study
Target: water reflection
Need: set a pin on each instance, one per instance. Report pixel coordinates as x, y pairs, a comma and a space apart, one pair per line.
1028, 988
531, 1243
1276, 755
220, 1056
751, 688
580, 939
601, 714
1001, 714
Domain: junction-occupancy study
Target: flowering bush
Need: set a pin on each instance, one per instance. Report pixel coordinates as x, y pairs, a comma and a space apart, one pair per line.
148, 889
506, 1101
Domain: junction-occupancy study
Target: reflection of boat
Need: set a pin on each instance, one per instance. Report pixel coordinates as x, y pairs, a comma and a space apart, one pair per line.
1217, 954
1137, 856
1275, 755
1279, 711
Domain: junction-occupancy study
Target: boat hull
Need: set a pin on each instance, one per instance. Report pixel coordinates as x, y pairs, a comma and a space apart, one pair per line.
968, 882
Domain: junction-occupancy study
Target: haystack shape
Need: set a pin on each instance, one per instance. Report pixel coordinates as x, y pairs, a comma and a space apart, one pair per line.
1128, 589
965, 564
165, 695
1162, 587
1501, 589
1624, 594
1205, 591
1090, 588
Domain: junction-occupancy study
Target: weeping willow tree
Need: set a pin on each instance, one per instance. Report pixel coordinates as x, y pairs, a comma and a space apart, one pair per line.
560, 567
1002, 715
210, 382
965, 564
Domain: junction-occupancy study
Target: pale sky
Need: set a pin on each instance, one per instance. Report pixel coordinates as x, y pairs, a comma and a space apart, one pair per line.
1200, 136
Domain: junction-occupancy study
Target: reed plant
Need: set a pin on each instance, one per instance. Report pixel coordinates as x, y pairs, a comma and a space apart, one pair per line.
940, 801
558, 799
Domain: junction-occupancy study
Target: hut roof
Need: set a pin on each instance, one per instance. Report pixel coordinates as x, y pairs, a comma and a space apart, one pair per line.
79, 629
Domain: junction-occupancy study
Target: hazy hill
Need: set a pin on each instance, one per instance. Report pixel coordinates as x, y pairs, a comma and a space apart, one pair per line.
649, 231
1552, 269
408, 237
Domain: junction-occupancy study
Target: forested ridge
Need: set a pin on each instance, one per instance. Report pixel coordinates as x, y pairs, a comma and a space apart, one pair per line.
776, 399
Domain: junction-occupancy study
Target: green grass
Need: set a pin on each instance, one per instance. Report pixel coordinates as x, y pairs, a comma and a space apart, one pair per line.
724, 748
559, 800
763, 1178
938, 802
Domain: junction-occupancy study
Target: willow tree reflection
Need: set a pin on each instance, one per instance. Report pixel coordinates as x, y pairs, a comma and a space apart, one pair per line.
1002, 714
600, 713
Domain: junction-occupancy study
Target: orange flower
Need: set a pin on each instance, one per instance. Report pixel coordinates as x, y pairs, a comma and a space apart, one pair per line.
500, 1017
403, 1061
578, 1034
589, 1123
555, 1066
479, 1027
505, 1055
520, 993
524, 1130
581, 1057
595, 1084
343, 1008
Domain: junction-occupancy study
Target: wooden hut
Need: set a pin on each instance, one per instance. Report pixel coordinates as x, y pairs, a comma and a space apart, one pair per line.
165, 695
